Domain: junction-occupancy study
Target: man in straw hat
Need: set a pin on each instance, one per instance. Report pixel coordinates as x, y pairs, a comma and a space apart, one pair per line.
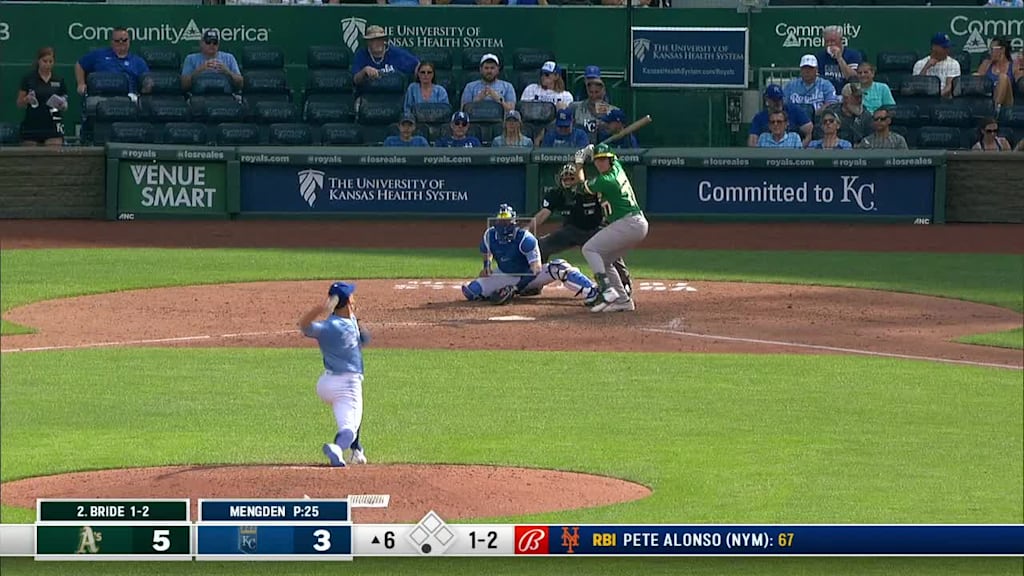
378, 57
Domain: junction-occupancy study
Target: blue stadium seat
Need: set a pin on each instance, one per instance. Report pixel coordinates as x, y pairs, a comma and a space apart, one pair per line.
530, 58
207, 84
339, 109
260, 57
341, 134
275, 113
439, 57
160, 58
237, 134
129, 133
378, 109
332, 56
184, 133
939, 138
290, 134
106, 84
10, 134
896, 62
160, 109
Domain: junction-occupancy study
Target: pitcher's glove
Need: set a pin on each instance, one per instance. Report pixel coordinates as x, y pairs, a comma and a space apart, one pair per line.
503, 296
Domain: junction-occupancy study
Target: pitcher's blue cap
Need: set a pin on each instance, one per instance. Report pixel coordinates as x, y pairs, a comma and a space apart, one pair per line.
343, 291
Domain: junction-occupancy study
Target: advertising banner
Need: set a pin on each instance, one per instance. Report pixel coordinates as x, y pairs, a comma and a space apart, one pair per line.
689, 57
420, 189
171, 188
868, 193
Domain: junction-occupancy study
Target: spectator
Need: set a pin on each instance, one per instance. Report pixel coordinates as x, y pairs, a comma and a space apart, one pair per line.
117, 58
379, 57
404, 2
774, 101
938, 63
44, 97
615, 121
527, 2
423, 89
830, 140
592, 73
838, 63
210, 60
459, 137
883, 138
998, 68
512, 135
990, 140
1006, 3
551, 87
778, 136
565, 135
810, 88
489, 86
854, 120
1020, 146
407, 136
876, 94
588, 113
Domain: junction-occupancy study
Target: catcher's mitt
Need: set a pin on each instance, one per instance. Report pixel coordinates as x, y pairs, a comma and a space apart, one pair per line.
503, 296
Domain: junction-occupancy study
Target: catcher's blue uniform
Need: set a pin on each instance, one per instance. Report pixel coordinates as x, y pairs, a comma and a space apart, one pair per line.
515, 256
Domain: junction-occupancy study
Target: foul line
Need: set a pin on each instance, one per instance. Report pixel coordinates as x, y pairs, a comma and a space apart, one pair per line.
830, 348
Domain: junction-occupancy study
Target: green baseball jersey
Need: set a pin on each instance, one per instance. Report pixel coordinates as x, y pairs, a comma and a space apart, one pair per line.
616, 193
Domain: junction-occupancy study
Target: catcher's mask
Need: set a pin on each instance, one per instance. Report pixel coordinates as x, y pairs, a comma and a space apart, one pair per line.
567, 176
505, 224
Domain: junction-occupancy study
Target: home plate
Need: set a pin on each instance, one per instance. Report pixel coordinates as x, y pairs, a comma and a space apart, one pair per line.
511, 318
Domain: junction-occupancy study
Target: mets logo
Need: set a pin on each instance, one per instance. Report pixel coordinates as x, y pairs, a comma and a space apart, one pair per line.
640, 48
570, 539
531, 539
310, 182
351, 31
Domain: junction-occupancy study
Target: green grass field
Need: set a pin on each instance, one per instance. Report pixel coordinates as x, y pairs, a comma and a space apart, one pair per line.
720, 438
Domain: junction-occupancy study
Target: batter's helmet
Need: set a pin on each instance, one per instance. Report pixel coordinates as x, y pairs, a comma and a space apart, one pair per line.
505, 223
604, 151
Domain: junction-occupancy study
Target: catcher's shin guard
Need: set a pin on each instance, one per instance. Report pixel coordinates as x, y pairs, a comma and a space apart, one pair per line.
473, 291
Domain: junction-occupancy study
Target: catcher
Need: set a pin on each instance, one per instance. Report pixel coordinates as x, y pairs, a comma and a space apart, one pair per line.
518, 266
582, 218
627, 226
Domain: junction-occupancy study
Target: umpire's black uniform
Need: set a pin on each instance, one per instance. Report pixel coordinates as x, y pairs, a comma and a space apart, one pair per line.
582, 217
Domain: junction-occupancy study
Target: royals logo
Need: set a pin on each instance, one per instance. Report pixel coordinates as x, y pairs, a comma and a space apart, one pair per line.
247, 539
351, 31
531, 539
570, 539
310, 182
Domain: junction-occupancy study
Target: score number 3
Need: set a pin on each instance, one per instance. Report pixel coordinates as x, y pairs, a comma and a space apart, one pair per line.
323, 540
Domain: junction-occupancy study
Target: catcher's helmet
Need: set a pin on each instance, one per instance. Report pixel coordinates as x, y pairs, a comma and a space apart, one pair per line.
505, 223
567, 173
604, 151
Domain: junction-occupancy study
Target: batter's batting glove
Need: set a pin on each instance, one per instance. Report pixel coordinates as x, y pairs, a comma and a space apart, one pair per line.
503, 296
585, 154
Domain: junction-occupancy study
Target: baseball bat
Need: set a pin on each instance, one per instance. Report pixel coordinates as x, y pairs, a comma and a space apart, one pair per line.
628, 130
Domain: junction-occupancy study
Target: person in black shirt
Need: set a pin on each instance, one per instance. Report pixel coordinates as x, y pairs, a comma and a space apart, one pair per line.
582, 217
44, 98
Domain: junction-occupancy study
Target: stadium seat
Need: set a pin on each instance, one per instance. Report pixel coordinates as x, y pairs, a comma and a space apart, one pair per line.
439, 57
951, 113
216, 109
1012, 117
981, 107
265, 82
1009, 133
290, 134
339, 109
332, 56
421, 130
1020, 86
531, 58
184, 133
106, 84
391, 83
328, 81
129, 133
894, 80
966, 67
378, 109
165, 82
432, 113
237, 134
776, 3
524, 78
374, 135
908, 133
972, 86
161, 109
485, 111
537, 112
939, 138
921, 86
488, 132
209, 84
446, 79
471, 57
896, 62
160, 58
119, 109
10, 134
275, 113
905, 115
341, 134
260, 57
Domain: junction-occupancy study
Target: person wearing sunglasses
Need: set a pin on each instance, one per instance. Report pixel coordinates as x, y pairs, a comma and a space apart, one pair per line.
550, 87
778, 135
210, 60
117, 58
423, 89
830, 139
999, 69
883, 138
990, 140
459, 137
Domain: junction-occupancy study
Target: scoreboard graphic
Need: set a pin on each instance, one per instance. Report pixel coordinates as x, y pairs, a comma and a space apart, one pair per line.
322, 530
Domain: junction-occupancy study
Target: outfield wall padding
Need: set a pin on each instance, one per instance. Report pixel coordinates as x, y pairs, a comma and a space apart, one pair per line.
52, 182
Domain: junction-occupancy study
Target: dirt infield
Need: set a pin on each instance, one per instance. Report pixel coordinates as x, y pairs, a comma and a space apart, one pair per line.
672, 316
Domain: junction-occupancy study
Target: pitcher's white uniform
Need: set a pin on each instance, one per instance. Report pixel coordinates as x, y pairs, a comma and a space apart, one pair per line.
341, 385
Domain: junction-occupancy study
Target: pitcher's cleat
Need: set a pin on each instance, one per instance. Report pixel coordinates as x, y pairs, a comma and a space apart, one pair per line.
335, 454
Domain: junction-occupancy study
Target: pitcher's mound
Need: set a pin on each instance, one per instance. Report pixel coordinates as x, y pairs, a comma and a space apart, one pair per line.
453, 491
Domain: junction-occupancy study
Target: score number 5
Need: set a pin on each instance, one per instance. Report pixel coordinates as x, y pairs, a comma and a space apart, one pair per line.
161, 540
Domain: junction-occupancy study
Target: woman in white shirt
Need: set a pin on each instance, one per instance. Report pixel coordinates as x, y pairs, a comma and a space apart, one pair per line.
551, 87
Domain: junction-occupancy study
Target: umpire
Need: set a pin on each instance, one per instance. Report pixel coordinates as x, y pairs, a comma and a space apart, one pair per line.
582, 217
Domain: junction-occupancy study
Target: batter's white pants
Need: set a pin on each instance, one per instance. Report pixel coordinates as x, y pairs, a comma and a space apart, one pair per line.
343, 391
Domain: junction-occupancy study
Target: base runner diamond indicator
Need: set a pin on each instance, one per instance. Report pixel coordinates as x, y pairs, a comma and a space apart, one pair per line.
431, 535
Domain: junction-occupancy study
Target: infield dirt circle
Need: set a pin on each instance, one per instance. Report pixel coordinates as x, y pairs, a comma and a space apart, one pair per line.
672, 316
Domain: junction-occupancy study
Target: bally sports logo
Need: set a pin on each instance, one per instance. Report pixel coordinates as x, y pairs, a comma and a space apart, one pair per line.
310, 182
531, 539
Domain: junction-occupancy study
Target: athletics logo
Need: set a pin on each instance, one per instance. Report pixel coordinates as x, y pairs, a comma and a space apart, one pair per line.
87, 541
640, 48
531, 539
570, 540
351, 31
310, 182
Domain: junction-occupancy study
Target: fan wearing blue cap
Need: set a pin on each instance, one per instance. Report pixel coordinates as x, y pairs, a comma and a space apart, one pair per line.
407, 136
341, 342
550, 87
939, 64
774, 101
565, 134
613, 122
458, 136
